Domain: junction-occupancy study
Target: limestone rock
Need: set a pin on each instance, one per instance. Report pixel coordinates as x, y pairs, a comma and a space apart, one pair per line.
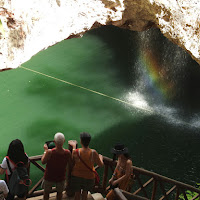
27, 27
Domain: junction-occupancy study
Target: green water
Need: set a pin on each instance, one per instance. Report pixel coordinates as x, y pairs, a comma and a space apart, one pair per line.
34, 107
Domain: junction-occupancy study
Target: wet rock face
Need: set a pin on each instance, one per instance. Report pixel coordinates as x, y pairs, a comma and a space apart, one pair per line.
30, 26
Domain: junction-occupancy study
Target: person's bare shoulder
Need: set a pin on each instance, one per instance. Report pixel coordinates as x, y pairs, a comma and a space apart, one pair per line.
129, 162
49, 151
95, 153
74, 154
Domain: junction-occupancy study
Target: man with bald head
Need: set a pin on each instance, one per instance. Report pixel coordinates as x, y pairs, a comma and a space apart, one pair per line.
56, 161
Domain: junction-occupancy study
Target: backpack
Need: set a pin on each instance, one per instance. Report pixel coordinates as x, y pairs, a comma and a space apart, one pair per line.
19, 180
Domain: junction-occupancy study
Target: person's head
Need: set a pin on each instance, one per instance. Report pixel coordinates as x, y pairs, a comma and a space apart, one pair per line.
120, 150
59, 139
16, 151
85, 139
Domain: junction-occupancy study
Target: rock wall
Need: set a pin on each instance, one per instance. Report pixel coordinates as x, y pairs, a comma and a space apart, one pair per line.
27, 27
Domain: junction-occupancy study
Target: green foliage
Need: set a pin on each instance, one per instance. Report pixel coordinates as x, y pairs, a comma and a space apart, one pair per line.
1, 28
190, 194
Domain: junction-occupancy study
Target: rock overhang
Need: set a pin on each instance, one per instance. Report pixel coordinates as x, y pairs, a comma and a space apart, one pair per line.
32, 26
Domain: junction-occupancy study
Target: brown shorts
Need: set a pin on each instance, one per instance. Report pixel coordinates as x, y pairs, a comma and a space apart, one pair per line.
47, 185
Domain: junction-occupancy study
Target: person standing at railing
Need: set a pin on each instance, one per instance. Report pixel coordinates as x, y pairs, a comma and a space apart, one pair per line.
56, 160
122, 172
83, 172
15, 155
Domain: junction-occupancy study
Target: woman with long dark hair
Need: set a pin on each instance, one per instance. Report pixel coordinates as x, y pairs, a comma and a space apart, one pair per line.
122, 172
15, 156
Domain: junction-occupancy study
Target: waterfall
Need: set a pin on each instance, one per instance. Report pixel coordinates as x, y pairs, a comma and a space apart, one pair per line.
166, 75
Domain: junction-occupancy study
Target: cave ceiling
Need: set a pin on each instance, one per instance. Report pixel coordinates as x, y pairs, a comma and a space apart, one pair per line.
31, 26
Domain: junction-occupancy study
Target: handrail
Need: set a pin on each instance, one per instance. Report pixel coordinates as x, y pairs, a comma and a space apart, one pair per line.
123, 195
153, 174
119, 194
163, 178
155, 180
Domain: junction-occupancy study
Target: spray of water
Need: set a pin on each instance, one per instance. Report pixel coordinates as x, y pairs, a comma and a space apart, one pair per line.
161, 69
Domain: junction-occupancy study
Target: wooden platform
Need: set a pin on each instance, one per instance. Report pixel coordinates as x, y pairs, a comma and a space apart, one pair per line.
96, 196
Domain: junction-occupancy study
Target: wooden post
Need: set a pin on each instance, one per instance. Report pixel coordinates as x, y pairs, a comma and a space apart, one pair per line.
177, 193
141, 185
38, 165
154, 189
146, 184
105, 177
168, 192
163, 190
35, 187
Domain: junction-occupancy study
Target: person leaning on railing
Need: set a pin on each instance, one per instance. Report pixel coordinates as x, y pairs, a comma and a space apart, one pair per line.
122, 172
56, 161
83, 172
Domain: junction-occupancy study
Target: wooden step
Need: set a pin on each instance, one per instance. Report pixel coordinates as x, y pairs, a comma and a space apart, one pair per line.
97, 196
52, 196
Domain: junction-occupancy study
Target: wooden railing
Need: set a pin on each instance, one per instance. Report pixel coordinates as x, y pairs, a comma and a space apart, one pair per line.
33, 191
145, 184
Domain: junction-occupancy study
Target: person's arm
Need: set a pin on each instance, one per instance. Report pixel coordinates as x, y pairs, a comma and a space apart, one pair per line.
98, 158
2, 171
72, 143
5, 189
126, 175
113, 175
69, 168
3, 166
46, 155
70, 161
5, 195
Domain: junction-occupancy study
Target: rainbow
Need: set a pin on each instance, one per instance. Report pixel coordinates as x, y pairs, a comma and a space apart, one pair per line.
156, 74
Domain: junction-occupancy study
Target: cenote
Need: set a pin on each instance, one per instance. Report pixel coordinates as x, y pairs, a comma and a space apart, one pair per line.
150, 101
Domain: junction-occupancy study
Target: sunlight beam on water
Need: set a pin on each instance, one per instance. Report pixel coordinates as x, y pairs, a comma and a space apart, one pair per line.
137, 100
136, 104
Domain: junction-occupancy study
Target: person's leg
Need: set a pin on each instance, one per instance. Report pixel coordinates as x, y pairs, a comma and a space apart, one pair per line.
22, 198
76, 183
88, 185
59, 196
47, 189
84, 195
46, 195
77, 195
10, 196
60, 186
